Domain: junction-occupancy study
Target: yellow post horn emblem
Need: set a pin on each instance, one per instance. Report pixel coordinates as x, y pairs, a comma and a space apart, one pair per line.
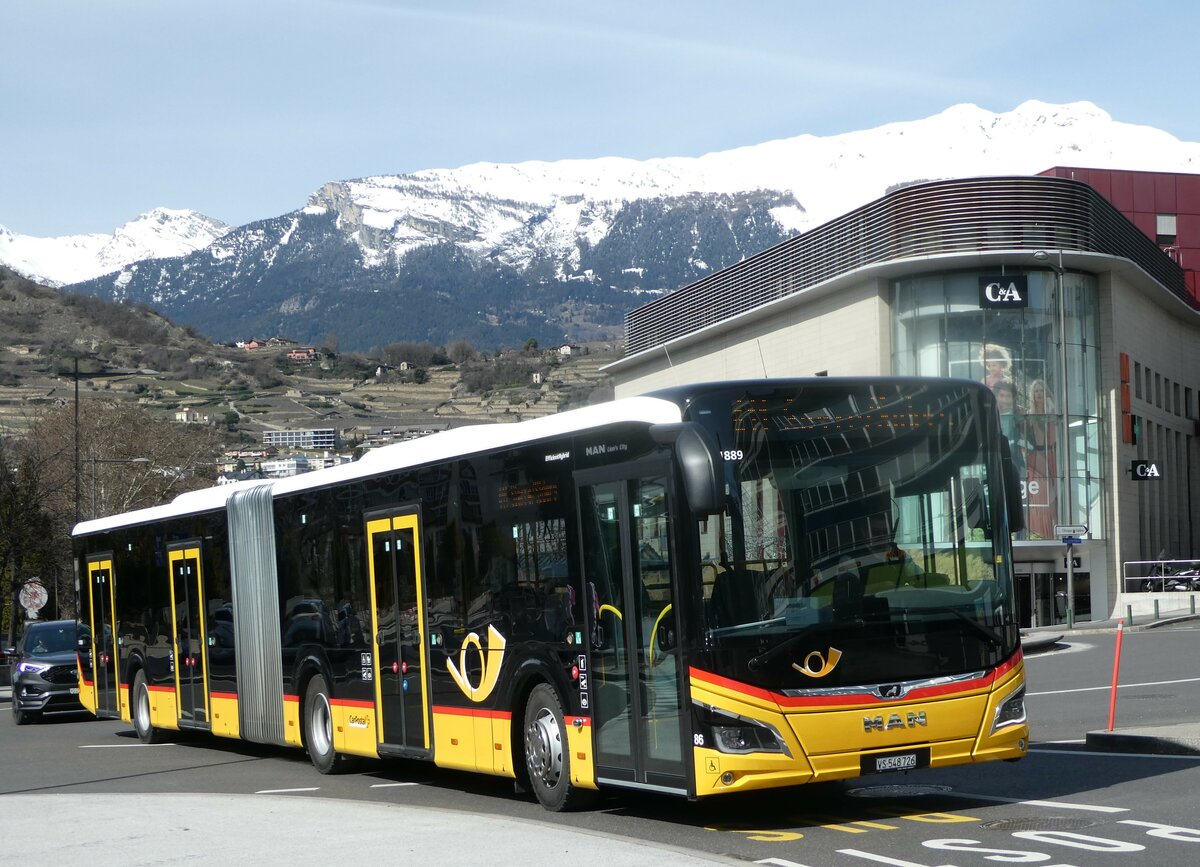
824, 666
489, 664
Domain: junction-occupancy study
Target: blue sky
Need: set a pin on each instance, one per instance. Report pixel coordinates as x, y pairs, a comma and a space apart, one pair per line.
240, 108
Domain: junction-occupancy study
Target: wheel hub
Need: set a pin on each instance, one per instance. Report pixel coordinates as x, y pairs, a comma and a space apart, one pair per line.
543, 747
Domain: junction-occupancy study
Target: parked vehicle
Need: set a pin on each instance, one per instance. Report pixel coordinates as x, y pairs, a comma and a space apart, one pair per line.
45, 678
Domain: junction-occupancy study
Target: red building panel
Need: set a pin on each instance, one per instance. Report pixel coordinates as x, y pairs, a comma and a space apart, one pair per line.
1143, 192
1164, 194
1187, 194
1100, 181
1122, 192
1145, 221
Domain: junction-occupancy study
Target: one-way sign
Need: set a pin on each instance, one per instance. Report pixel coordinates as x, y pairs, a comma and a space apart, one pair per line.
1070, 530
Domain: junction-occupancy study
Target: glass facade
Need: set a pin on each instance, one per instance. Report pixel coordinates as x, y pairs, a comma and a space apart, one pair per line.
942, 330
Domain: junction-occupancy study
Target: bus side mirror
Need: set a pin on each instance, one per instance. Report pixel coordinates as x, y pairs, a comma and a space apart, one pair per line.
1012, 488
699, 464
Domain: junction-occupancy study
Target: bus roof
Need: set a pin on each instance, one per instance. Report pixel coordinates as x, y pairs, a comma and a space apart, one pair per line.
457, 442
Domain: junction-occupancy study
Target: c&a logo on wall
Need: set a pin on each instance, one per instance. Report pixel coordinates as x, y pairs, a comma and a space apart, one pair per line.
1145, 471
1004, 292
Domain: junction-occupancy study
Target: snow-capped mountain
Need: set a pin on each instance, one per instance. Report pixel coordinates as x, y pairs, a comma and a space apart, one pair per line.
158, 234
499, 253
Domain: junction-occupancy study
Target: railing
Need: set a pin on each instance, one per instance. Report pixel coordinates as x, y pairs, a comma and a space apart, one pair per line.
924, 220
1160, 576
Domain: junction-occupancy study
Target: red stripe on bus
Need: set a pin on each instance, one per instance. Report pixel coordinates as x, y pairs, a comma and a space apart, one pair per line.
788, 701
472, 711
229, 695
160, 688
89, 683
287, 697
351, 702
583, 720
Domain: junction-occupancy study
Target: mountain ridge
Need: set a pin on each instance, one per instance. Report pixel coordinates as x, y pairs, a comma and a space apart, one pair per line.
496, 253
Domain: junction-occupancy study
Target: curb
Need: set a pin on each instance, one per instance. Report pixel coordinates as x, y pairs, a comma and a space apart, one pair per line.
1161, 744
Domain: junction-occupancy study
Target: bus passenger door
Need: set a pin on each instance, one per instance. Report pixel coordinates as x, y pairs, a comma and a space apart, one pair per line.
635, 681
187, 624
398, 624
105, 670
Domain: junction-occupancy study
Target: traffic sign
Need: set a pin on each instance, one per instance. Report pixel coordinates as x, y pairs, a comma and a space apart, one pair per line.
1072, 540
1070, 529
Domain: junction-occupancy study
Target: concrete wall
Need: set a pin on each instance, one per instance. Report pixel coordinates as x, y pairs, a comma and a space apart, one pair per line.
847, 333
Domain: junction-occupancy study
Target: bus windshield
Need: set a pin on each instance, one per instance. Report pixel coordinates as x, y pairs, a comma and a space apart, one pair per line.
864, 539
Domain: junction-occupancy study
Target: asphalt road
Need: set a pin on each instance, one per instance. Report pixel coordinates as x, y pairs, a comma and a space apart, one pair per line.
1063, 805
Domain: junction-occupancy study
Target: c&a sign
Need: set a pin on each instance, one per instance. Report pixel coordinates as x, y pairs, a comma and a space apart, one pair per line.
1004, 292
1146, 471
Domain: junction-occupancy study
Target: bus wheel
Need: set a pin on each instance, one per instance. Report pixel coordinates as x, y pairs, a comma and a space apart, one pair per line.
318, 728
146, 732
546, 754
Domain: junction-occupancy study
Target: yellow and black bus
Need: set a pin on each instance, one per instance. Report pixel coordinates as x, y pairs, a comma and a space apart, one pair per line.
714, 588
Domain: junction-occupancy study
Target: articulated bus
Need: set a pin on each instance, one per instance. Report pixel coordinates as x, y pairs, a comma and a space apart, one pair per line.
715, 588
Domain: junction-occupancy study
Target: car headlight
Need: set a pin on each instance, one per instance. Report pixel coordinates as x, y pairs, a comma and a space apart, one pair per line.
1011, 711
33, 667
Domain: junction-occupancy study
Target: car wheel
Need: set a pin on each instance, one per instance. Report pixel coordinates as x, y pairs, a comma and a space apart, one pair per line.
318, 728
547, 756
23, 717
146, 731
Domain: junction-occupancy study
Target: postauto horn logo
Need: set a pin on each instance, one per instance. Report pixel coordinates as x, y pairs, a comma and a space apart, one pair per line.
489, 664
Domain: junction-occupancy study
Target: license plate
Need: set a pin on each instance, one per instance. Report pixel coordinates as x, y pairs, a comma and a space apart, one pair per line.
74, 690
887, 762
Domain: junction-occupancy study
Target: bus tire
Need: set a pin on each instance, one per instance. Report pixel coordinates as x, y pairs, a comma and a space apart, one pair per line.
547, 757
146, 731
318, 728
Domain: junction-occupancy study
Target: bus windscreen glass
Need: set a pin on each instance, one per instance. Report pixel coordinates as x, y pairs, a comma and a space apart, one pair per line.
859, 543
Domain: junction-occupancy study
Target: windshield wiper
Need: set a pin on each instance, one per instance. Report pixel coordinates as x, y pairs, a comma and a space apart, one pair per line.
766, 656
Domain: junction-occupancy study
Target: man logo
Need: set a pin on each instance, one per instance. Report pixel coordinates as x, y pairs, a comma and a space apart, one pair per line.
1004, 292
894, 721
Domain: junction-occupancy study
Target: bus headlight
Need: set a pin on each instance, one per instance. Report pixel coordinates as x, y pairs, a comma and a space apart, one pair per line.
1011, 711
730, 733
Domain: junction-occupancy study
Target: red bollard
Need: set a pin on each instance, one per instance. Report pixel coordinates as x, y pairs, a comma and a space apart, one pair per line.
1112, 702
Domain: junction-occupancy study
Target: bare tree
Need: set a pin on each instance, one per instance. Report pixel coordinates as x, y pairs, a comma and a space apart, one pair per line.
177, 457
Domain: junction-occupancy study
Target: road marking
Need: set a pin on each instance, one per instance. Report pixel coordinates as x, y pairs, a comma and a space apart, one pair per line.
1120, 686
779, 862
1064, 805
114, 746
389, 785
286, 791
879, 859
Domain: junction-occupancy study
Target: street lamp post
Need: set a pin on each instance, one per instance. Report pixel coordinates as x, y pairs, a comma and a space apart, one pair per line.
95, 460
1066, 512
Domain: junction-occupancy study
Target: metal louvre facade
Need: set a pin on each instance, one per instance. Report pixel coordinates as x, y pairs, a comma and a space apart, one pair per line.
925, 220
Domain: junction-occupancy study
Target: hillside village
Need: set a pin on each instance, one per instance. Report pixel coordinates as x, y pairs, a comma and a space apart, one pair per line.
282, 407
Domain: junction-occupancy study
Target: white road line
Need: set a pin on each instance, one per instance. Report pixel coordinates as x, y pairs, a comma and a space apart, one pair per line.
1119, 686
286, 791
115, 746
1062, 805
389, 785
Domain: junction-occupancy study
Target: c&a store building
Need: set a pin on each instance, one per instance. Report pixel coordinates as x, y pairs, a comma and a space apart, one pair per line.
1073, 294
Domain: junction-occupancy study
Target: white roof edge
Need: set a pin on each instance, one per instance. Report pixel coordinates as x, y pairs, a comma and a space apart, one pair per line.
429, 449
